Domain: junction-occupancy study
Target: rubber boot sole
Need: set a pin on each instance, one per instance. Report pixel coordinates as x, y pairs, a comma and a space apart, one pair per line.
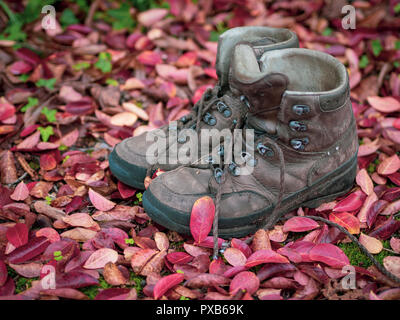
326, 189
126, 172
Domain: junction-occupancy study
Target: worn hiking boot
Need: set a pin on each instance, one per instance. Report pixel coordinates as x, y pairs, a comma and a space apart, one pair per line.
305, 156
217, 109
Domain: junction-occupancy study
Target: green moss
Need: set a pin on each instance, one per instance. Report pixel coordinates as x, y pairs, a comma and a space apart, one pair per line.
138, 281
92, 291
358, 258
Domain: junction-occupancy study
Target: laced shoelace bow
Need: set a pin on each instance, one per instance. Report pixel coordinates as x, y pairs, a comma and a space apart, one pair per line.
194, 118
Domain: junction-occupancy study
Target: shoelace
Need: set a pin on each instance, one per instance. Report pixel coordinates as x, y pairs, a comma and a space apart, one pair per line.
193, 119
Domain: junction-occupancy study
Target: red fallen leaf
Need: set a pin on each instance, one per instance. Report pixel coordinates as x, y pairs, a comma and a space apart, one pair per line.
271, 269
369, 202
260, 241
70, 138
18, 234
179, 257
347, 220
28, 56
75, 280
113, 275
47, 162
21, 192
265, 256
187, 59
75, 204
80, 107
166, 283
28, 251
391, 208
201, 218
99, 202
352, 202
7, 110
246, 281
390, 294
364, 181
395, 178
112, 293
66, 293
161, 241
385, 230
329, 254
208, 242
385, 104
100, 258
218, 266
149, 58
300, 224
207, 280
49, 233
389, 165
8, 289
242, 246
303, 248
125, 191
3, 273
140, 258
19, 67
291, 254
374, 210
235, 257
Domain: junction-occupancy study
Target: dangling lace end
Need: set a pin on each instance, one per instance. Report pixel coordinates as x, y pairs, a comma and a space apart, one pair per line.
215, 222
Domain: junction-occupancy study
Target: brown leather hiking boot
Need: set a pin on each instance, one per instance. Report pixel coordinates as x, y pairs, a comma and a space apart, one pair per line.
218, 109
304, 156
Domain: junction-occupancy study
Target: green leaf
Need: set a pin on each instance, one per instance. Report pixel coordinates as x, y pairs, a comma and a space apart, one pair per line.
46, 133
112, 82
376, 47
49, 200
364, 61
50, 114
104, 62
122, 17
68, 17
48, 83
327, 32
179, 271
81, 66
397, 8
397, 45
65, 159
396, 64
24, 77
31, 103
62, 147
129, 241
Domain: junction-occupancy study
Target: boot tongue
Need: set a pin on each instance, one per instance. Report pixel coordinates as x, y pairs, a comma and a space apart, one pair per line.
262, 88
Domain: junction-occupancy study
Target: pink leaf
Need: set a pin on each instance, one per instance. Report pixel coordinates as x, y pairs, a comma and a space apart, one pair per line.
364, 181
18, 234
166, 283
49, 233
21, 192
389, 165
235, 257
330, 255
201, 218
125, 191
246, 281
100, 258
99, 202
152, 16
386, 104
3, 273
179, 257
299, 224
265, 256
242, 246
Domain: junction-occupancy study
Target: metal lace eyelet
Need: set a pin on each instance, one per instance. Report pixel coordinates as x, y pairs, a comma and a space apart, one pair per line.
182, 139
300, 109
244, 99
234, 169
297, 126
264, 150
249, 159
218, 174
299, 144
221, 151
224, 109
212, 121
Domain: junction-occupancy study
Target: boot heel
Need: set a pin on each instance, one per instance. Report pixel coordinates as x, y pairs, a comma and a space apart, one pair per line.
337, 184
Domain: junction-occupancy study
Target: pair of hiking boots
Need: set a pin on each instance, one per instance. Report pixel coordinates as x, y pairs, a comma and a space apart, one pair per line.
304, 149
